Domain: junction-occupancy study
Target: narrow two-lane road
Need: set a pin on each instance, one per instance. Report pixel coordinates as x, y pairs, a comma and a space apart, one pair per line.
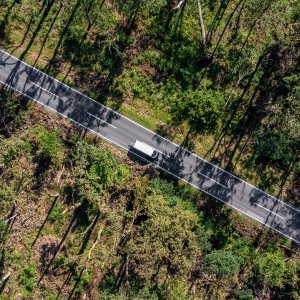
173, 159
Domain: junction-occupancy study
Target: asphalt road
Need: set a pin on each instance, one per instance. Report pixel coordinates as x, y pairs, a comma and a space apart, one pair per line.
173, 159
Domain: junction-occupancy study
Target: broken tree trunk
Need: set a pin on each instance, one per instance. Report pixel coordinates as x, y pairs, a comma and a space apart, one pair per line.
4, 278
179, 5
201, 23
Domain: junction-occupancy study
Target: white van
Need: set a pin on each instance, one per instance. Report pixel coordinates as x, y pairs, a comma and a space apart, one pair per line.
146, 149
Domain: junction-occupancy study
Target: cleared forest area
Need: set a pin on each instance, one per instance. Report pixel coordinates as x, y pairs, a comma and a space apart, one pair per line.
80, 220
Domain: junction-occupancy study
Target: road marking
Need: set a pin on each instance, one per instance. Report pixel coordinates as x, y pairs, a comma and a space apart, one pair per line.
270, 211
107, 139
1, 66
215, 166
101, 120
212, 179
43, 88
162, 153
255, 216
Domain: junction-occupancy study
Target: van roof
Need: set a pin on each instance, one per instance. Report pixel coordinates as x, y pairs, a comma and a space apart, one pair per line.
144, 148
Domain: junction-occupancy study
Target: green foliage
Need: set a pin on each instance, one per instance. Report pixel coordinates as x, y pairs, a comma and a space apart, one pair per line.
239, 247
297, 170
59, 261
150, 57
13, 176
49, 144
165, 188
201, 109
174, 290
141, 8
270, 268
3, 231
48, 295
244, 294
131, 290
164, 242
97, 170
56, 214
292, 278
27, 279
174, 195
178, 40
10, 149
273, 147
11, 110
222, 263
82, 279
99, 53
7, 196
143, 50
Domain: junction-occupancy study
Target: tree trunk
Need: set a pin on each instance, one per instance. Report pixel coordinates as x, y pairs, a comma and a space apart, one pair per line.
4, 278
201, 23
179, 5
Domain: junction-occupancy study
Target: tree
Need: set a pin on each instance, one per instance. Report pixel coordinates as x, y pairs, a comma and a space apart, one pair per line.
201, 109
273, 147
293, 190
96, 172
164, 241
222, 263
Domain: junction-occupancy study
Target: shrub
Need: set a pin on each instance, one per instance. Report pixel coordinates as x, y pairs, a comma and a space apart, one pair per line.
11, 148
27, 279
245, 294
50, 147
270, 268
3, 232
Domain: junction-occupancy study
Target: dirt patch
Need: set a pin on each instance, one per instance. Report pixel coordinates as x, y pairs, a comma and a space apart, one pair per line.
91, 81
44, 249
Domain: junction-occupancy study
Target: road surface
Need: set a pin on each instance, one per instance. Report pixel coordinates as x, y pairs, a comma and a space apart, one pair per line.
173, 159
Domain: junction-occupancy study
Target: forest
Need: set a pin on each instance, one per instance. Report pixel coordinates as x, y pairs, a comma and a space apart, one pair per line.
79, 219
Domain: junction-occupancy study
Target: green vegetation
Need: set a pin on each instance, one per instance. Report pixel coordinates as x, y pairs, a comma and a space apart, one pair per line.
270, 268
117, 230
27, 279
222, 263
49, 146
79, 220
148, 60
